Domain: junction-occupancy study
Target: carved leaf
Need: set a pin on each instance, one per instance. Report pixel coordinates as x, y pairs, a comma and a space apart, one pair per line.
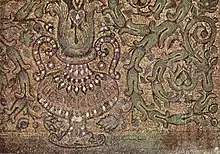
26, 37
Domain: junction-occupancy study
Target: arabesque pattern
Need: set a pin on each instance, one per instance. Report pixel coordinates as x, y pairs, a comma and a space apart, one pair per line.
82, 71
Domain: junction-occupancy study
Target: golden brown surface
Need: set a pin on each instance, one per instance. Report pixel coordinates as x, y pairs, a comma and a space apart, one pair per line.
109, 76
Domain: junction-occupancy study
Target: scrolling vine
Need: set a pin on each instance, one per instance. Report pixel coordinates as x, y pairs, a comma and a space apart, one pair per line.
71, 57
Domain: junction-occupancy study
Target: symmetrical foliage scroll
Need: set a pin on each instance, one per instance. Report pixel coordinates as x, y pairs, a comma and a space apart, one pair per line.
67, 62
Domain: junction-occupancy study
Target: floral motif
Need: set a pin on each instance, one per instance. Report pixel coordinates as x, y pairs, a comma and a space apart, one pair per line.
22, 123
